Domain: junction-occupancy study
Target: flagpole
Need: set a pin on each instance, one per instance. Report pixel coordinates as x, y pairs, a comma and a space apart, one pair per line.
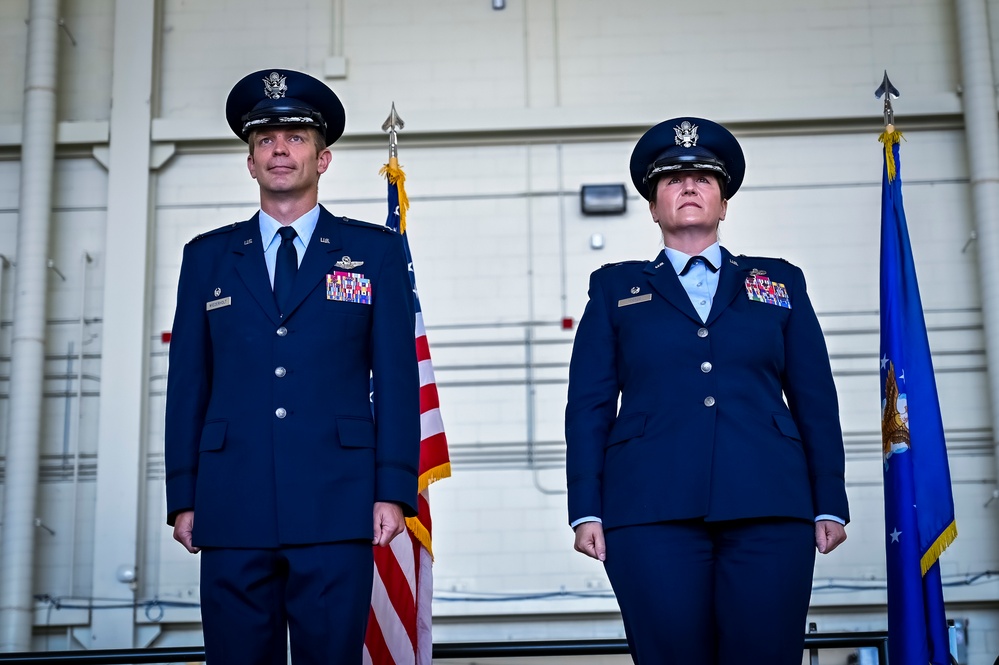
919, 504
393, 123
402, 599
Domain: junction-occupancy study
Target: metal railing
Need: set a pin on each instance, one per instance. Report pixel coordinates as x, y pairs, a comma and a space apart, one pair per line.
443, 651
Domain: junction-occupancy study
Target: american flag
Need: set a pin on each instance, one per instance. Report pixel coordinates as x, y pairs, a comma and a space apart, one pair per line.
399, 622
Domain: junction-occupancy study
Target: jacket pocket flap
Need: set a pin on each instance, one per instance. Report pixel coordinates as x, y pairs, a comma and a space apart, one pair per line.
355, 432
786, 426
213, 435
626, 428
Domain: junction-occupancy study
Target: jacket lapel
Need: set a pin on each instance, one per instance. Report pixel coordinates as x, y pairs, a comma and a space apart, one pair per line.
663, 279
326, 239
246, 244
731, 282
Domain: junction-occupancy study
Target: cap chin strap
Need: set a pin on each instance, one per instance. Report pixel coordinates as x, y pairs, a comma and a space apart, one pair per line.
283, 115
698, 164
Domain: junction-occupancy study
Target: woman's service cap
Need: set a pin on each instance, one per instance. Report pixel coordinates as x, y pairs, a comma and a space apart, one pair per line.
276, 97
687, 144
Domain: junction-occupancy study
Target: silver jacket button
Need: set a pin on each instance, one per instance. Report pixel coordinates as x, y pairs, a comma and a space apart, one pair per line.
709, 401
705, 367
281, 412
702, 332
279, 372
282, 331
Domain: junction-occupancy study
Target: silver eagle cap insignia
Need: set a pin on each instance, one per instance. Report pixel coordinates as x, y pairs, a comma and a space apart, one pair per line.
686, 134
275, 85
347, 264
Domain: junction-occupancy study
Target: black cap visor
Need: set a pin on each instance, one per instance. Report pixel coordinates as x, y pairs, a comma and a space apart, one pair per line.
685, 163
272, 116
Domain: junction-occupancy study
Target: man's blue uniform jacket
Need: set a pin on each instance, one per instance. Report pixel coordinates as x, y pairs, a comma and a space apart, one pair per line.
731, 418
253, 478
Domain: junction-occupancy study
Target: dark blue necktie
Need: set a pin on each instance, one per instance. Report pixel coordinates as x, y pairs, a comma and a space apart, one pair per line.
695, 259
285, 267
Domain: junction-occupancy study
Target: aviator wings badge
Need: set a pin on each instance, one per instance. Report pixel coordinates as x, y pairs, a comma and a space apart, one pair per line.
347, 264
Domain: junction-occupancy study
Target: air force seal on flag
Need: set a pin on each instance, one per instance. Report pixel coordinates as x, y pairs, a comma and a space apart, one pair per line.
894, 417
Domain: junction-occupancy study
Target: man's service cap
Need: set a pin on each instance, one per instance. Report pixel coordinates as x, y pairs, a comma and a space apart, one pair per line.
277, 97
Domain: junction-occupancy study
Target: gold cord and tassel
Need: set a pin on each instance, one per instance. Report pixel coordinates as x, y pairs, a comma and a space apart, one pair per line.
397, 177
890, 137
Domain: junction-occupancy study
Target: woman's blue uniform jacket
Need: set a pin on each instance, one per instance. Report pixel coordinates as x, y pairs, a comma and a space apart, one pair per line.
253, 478
672, 418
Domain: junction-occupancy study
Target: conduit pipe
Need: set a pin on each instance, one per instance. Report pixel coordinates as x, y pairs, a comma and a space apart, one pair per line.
982, 138
27, 364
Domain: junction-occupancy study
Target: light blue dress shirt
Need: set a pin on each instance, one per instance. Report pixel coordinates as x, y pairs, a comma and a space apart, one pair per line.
304, 226
701, 284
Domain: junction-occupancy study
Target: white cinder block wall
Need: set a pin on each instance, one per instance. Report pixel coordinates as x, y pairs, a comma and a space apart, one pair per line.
508, 113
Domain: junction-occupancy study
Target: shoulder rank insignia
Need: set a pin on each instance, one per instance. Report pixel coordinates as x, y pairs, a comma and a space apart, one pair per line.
347, 264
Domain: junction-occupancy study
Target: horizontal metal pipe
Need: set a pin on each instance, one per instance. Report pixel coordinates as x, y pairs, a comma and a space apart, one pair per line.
444, 650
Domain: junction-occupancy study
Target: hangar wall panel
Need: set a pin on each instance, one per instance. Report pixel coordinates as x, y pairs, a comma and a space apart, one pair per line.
509, 113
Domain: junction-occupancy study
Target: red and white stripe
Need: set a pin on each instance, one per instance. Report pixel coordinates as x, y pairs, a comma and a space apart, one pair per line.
399, 622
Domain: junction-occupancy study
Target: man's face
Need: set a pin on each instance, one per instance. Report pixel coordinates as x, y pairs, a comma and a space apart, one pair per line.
284, 160
688, 201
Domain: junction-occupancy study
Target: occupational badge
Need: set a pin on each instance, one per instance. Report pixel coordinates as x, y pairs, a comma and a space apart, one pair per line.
218, 292
348, 287
761, 288
347, 264
635, 290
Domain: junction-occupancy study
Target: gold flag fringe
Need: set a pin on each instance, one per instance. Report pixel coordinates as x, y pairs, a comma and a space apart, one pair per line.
938, 547
439, 472
397, 177
890, 137
421, 534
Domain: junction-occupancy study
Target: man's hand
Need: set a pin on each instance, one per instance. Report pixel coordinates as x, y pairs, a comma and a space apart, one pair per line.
389, 522
828, 535
590, 540
183, 525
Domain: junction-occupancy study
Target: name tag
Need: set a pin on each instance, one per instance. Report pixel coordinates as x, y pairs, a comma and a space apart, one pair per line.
221, 302
633, 301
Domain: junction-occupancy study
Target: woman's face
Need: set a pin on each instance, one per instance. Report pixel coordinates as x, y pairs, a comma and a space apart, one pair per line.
688, 202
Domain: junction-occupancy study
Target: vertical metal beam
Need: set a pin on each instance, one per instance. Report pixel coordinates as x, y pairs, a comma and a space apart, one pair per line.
27, 369
121, 434
982, 139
